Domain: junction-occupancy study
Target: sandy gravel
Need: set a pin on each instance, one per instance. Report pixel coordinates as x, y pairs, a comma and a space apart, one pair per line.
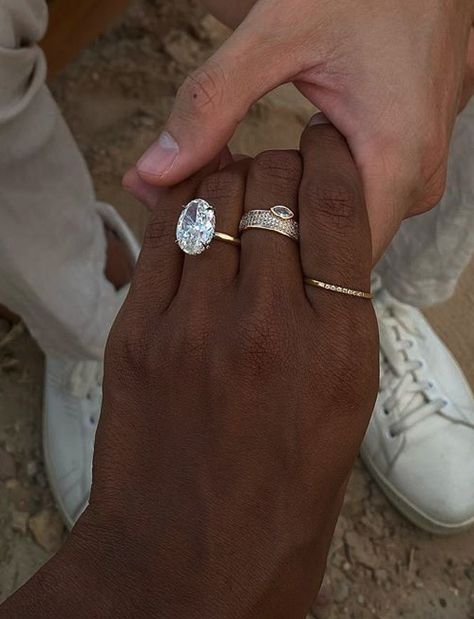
116, 97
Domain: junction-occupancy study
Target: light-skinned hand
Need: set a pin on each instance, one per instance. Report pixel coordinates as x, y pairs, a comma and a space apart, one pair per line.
391, 76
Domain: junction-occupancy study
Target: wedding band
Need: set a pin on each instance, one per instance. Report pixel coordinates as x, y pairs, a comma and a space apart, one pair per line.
339, 289
278, 219
196, 228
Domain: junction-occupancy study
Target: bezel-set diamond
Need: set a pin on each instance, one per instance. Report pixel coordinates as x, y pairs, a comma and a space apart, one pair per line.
196, 227
283, 212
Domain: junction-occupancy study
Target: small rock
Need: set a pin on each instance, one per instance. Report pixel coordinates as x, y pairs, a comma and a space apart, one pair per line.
147, 121
11, 484
22, 499
361, 550
381, 576
20, 521
212, 29
31, 468
41, 480
12, 334
183, 48
361, 600
7, 465
47, 529
374, 525
358, 488
341, 591
9, 364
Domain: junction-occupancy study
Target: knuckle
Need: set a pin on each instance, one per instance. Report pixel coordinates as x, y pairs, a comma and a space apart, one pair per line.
126, 346
190, 341
261, 342
203, 90
256, 340
225, 185
279, 166
158, 231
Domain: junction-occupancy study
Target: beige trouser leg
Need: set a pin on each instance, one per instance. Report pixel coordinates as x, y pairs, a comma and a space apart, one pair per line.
52, 243
427, 257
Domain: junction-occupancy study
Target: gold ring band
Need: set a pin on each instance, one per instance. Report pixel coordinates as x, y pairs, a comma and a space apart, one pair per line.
339, 289
226, 238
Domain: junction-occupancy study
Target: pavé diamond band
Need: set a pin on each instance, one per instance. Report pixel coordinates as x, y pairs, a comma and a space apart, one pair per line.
339, 289
279, 219
196, 228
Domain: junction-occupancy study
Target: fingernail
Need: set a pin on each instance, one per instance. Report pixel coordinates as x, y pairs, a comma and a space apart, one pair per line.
159, 158
319, 119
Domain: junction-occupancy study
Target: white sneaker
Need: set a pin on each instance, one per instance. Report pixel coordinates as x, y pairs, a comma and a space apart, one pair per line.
72, 403
420, 443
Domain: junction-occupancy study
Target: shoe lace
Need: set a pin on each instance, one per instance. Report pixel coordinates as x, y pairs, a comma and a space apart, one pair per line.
409, 393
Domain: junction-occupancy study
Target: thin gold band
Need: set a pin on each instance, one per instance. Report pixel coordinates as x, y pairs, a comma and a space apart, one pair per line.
226, 238
340, 289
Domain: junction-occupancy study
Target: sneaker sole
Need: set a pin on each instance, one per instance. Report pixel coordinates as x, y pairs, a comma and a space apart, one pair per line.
49, 474
407, 509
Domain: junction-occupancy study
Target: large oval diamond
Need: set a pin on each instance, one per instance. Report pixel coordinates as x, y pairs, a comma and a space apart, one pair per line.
196, 227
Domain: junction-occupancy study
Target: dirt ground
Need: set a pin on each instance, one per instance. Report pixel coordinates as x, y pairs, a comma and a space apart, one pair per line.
116, 97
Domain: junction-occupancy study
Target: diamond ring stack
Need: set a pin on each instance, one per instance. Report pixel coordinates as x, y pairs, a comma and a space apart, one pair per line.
278, 219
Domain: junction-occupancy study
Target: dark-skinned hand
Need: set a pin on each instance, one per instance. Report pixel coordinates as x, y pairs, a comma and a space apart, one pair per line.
235, 401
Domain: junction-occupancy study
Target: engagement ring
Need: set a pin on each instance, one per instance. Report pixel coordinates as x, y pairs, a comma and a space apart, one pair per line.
196, 228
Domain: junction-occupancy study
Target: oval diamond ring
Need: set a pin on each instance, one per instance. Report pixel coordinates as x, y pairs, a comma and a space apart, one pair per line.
196, 228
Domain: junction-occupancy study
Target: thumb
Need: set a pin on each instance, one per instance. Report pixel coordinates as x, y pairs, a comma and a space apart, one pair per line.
209, 106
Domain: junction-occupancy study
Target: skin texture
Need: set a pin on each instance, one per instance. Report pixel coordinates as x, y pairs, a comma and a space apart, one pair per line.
235, 401
391, 76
